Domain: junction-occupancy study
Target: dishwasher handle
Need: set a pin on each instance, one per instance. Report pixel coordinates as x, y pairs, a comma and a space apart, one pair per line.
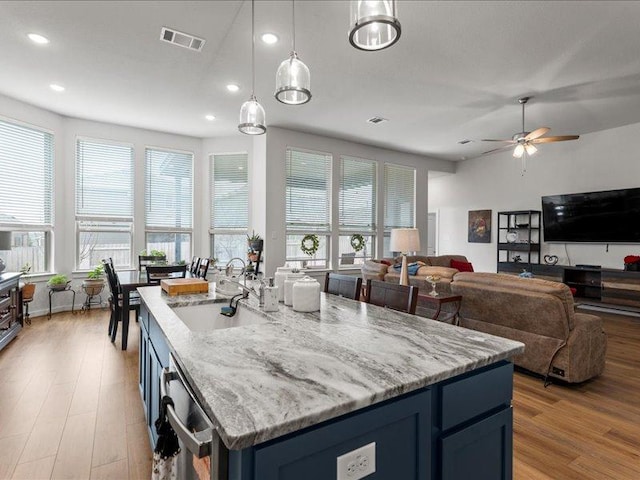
198, 443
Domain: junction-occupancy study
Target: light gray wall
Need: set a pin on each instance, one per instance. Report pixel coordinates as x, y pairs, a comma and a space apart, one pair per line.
604, 160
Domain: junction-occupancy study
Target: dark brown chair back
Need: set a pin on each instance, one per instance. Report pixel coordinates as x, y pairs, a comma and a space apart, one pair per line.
155, 273
203, 268
392, 295
346, 286
195, 265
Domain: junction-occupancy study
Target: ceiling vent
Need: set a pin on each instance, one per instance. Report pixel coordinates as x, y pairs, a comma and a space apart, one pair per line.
182, 39
465, 141
376, 120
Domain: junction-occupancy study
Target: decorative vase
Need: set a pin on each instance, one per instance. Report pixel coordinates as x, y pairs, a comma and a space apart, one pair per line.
512, 237
306, 295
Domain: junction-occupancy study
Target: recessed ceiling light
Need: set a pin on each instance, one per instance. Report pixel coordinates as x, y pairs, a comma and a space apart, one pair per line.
232, 87
211, 118
269, 38
39, 39
56, 88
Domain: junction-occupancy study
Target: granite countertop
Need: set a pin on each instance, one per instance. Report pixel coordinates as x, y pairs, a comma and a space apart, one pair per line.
259, 382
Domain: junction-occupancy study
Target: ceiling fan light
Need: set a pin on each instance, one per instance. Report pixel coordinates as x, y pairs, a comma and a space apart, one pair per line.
518, 151
530, 148
293, 81
374, 24
252, 118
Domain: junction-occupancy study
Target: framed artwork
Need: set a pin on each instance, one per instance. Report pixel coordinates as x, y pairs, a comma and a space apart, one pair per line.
479, 226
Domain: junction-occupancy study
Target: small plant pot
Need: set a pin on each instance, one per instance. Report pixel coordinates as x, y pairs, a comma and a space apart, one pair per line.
28, 290
256, 245
58, 286
93, 286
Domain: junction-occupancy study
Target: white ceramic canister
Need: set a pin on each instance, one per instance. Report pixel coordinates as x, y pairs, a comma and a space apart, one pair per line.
280, 277
288, 287
306, 295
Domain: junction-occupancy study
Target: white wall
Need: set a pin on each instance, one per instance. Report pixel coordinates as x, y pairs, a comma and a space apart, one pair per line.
278, 139
598, 161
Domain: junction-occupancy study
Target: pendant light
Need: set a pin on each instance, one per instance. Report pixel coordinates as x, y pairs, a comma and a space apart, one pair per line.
374, 24
252, 120
293, 82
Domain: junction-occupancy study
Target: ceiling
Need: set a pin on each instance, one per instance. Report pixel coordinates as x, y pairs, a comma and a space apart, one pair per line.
456, 72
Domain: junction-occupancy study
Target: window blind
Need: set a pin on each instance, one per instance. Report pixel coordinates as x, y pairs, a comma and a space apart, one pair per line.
26, 163
104, 179
357, 202
229, 192
308, 191
399, 196
168, 189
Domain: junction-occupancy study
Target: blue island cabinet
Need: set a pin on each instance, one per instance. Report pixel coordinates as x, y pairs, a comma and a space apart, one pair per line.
457, 429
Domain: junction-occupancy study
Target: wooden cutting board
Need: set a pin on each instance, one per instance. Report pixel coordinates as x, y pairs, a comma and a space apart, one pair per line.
182, 286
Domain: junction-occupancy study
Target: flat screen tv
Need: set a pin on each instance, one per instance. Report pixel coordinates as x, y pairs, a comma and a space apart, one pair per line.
612, 216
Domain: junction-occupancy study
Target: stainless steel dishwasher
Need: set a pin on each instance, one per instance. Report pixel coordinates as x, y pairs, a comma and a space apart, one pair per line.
202, 454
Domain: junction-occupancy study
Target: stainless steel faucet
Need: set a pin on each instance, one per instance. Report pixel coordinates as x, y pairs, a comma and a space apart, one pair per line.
246, 291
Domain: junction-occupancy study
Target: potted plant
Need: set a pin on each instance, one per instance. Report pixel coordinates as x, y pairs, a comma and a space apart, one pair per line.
29, 287
58, 282
94, 283
255, 244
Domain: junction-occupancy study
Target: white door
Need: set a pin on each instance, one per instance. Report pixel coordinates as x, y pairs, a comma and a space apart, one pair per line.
432, 226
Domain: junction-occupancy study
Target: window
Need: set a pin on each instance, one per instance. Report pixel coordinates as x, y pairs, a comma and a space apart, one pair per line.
26, 200
169, 203
308, 206
229, 206
399, 200
357, 206
104, 203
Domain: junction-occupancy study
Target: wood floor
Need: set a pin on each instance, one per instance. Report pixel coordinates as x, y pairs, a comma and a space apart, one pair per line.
69, 403
70, 408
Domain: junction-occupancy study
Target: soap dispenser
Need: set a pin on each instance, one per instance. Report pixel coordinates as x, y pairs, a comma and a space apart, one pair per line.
270, 297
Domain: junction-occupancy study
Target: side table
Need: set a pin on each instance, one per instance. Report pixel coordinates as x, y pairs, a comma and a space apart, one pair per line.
426, 300
67, 288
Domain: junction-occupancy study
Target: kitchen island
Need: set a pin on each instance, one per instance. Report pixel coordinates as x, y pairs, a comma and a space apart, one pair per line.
291, 394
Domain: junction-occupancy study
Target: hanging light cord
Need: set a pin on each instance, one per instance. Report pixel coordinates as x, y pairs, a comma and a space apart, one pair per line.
293, 22
253, 53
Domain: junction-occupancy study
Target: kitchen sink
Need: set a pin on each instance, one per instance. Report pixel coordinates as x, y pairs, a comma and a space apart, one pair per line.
207, 317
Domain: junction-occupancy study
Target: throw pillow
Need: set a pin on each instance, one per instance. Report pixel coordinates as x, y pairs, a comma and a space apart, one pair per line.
462, 266
412, 268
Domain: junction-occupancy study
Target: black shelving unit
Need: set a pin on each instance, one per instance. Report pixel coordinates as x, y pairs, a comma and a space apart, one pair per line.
524, 225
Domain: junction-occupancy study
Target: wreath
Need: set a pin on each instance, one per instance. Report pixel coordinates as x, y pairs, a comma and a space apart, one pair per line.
310, 244
357, 242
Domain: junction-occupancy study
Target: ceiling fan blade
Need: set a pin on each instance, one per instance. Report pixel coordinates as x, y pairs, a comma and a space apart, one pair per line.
537, 133
503, 141
496, 149
557, 138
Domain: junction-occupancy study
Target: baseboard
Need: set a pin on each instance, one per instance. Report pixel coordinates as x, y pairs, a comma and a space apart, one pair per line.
609, 309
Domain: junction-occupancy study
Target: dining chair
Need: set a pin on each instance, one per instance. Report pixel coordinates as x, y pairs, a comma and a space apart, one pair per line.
144, 260
155, 273
392, 295
203, 268
346, 286
193, 267
115, 301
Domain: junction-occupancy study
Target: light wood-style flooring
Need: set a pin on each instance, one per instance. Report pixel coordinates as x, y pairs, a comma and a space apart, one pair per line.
69, 402
70, 408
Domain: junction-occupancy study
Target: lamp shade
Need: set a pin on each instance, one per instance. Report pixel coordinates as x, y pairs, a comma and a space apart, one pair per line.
374, 24
252, 117
5, 240
293, 81
405, 240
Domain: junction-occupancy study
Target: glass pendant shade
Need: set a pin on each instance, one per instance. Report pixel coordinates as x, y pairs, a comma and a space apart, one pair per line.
252, 121
518, 151
293, 82
530, 148
374, 24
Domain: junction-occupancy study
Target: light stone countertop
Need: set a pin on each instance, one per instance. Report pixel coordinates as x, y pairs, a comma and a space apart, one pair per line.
259, 382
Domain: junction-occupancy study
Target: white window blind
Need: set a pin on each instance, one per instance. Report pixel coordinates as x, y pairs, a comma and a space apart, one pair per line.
399, 196
26, 163
229, 192
168, 189
357, 195
308, 190
104, 180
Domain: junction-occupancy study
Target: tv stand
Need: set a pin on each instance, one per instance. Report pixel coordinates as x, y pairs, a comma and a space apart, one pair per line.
603, 287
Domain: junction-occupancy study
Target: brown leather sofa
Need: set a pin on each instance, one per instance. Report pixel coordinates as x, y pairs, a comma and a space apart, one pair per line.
558, 341
436, 265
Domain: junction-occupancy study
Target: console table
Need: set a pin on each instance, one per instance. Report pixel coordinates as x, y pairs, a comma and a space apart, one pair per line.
431, 302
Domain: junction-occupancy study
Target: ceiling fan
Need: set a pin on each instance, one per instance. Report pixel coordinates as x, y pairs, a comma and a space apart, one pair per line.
525, 141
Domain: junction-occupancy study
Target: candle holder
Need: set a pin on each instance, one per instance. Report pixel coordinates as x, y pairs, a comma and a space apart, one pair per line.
433, 279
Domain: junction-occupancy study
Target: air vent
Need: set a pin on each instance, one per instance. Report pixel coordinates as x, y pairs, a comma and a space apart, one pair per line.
465, 141
182, 39
376, 120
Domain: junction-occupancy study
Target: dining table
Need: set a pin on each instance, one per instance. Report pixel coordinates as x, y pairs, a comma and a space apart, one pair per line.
130, 280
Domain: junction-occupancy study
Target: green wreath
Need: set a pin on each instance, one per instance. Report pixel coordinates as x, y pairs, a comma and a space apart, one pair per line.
310, 244
357, 242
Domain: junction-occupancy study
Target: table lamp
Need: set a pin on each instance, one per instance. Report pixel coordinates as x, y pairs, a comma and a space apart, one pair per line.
5, 244
404, 240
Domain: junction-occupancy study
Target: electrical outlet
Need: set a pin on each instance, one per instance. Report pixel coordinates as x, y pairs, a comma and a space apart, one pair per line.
357, 463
